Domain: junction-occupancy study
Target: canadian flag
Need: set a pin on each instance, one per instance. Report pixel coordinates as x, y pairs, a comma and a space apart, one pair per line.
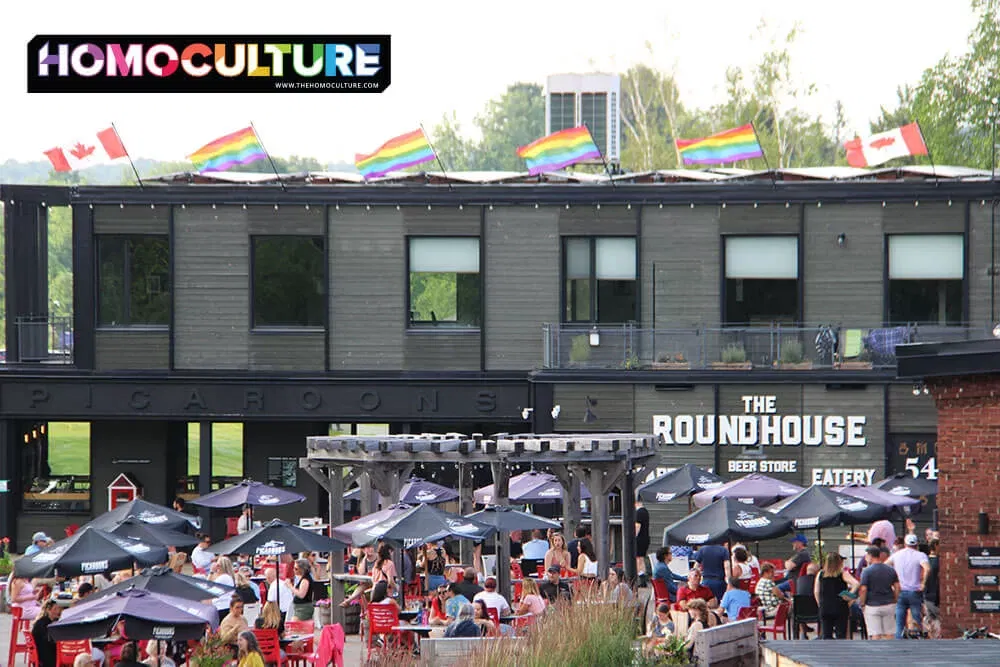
82, 154
885, 146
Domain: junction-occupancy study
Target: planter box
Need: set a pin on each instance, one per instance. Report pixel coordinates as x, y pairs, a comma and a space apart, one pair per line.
727, 366
854, 365
670, 366
352, 619
800, 366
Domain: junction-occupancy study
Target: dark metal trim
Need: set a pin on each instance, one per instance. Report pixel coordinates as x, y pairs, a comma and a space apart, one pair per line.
756, 376
172, 269
969, 357
592, 240
638, 264
886, 429
967, 268
327, 292
801, 247
409, 327
84, 291
482, 288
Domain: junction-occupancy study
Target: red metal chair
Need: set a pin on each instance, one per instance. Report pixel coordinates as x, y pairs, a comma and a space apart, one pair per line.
494, 615
71, 529
301, 628
780, 624
66, 652
270, 645
522, 624
661, 591
19, 627
232, 526
747, 613
32, 652
382, 621
515, 570
540, 569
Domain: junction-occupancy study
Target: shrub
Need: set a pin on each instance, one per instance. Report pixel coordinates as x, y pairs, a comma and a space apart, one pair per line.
734, 354
792, 352
580, 350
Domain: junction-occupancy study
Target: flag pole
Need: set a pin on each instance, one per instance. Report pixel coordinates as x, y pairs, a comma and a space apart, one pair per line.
763, 154
273, 167
930, 156
437, 157
134, 170
601, 153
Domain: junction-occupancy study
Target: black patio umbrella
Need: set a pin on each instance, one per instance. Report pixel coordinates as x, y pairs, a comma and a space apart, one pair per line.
417, 490
275, 538
423, 523
164, 581
820, 506
249, 492
905, 484
754, 489
152, 534
505, 519
146, 615
726, 520
88, 551
682, 482
147, 512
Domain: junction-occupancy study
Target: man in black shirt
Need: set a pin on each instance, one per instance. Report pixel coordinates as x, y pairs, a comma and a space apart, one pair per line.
40, 633
468, 586
553, 588
641, 537
574, 546
932, 593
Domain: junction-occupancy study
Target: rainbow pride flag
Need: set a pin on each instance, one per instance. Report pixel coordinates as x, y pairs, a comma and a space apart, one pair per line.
559, 149
240, 147
739, 143
403, 151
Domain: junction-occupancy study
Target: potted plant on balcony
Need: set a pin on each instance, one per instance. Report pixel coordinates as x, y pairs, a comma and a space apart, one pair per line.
579, 352
793, 356
734, 357
671, 362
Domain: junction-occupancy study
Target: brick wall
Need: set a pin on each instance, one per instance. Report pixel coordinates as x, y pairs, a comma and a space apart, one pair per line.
968, 451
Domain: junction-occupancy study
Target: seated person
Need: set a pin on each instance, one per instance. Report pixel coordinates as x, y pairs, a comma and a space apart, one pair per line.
701, 619
129, 656
734, 599
659, 628
45, 646
271, 618
234, 623
453, 602
464, 624
493, 599
532, 601
553, 587
767, 592
615, 588
694, 590
483, 620
380, 595
804, 583
157, 652
662, 571
793, 565
437, 615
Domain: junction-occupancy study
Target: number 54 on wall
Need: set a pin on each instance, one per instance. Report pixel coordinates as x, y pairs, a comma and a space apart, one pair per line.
929, 469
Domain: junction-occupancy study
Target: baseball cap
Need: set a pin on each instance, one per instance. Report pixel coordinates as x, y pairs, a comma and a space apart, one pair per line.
911, 540
800, 538
555, 568
39, 536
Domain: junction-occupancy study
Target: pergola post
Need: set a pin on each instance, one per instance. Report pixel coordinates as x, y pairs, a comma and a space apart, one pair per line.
599, 517
571, 499
501, 489
388, 479
335, 564
629, 557
368, 493
465, 503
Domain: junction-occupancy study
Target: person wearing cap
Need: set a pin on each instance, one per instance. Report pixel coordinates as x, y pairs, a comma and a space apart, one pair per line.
795, 563
39, 541
553, 587
493, 599
912, 567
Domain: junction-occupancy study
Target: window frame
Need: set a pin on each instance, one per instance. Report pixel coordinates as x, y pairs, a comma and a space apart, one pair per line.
127, 283
417, 327
563, 270
799, 281
324, 277
966, 286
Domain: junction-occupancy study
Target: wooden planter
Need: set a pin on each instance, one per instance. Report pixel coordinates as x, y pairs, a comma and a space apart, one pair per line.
670, 366
800, 366
352, 619
732, 366
854, 365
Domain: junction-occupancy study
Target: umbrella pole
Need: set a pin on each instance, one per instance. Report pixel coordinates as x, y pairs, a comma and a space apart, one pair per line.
819, 543
854, 565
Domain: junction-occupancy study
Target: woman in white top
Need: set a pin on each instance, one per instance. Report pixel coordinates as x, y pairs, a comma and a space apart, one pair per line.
586, 564
742, 566
222, 573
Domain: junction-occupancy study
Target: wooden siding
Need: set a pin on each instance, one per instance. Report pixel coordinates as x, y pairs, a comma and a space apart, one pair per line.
299, 351
522, 284
131, 349
441, 221
367, 288
844, 284
868, 402
441, 351
614, 409
788, 401
766, 219
591, 221
977, 266
909, 413
211, 288
132, 219
285, 220
927, 218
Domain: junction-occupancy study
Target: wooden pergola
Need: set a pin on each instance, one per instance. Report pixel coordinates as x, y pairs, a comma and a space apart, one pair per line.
381, 465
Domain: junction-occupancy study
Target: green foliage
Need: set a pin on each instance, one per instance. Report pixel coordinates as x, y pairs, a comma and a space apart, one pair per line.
734, 354
433, 297
672, 652
579, 351
792, 351
211, 652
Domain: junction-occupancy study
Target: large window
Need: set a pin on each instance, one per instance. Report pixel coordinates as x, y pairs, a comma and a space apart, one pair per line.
594, 113
762, 279
445, 289
599, 283
562, 111
925, 278
133, 277
288, 281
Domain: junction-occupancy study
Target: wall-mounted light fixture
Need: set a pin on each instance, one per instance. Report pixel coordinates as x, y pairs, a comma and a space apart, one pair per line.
555, 411
842, 240
595, 337
526, 413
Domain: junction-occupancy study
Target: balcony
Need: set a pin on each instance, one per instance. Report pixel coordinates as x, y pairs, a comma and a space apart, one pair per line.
43, 339
775, 347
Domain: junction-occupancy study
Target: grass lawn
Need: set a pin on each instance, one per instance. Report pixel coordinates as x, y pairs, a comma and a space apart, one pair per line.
69, 449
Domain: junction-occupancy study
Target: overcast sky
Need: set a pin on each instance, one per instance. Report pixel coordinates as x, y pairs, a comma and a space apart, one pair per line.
454, 56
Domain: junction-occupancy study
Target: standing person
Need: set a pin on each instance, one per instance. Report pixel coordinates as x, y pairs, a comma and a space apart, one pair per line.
641, 536
245, 523
201, 558
179, 504
932, 594
586, 564
912, 567
574, 545
878, 594
302, 603
828, 588
557, 554
278, 594
384, 569
715, 567
222, 573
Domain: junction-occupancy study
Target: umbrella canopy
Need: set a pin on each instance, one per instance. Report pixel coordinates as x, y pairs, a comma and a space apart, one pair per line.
146, 615
506, 519
345, 531
150, 513
530, 487
879, 496
88, 551
679, 483
275, 538
753, 489
423, 523
821, 506
164, 581
249, 492
726, 520
149, 533
418, 490
905, 484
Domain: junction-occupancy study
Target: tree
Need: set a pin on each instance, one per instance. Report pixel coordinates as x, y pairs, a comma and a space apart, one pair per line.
455, 151
651, 113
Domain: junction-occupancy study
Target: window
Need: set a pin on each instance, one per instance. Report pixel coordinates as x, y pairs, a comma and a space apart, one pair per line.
444, 282
594, 114
762, 279
599, 283
55, 467
288, 277
133, 277
925, 278
562, 111
282, 471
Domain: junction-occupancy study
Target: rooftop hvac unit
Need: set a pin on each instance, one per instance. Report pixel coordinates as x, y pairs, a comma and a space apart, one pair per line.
593, 100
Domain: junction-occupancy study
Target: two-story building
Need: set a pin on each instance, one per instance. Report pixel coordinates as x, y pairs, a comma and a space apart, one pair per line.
749, 318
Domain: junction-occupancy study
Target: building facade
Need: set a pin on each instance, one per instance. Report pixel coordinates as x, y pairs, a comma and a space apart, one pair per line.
750, 321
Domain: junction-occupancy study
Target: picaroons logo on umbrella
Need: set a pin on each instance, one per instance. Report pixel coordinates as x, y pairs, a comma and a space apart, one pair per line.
748, 520
268, 499
271, 548
151, 517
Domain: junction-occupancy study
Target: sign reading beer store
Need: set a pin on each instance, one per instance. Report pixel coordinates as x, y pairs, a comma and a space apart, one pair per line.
760, 426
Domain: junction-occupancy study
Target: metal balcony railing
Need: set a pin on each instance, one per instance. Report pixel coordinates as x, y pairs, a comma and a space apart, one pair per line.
845, 346
45, 339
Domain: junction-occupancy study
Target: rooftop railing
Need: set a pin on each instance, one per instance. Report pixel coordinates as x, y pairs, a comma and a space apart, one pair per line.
776, 346
43, 339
